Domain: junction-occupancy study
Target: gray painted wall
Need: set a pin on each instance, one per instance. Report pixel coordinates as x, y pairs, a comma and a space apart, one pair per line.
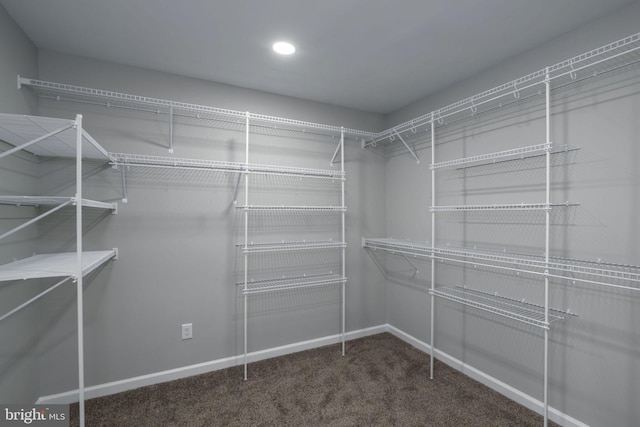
594, 360
19, 379
177, 234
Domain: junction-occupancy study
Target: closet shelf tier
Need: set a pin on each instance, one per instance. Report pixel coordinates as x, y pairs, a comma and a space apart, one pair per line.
138, 160
54, 265
201, 113
502, 207
589, 65
290, 283
54, 201
595, 272
285, 208
47, 137
506, 155
291, 246
521, 311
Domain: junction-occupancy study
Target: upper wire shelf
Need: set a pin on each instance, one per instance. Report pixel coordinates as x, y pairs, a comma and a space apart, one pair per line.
595, 272
605, 59
66, 92
123, 159
291, 246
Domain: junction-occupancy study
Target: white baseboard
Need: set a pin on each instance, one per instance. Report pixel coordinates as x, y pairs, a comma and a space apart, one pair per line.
491, 382
201, 368
214, 365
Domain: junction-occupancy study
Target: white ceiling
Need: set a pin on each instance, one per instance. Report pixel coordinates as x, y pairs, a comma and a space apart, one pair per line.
371, 55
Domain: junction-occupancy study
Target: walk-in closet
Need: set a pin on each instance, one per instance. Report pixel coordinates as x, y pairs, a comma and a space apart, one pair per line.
408, 214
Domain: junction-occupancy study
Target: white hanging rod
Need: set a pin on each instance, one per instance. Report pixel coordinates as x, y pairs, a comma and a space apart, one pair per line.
290, 283
290, 246
531, 314
501, 207
79, 93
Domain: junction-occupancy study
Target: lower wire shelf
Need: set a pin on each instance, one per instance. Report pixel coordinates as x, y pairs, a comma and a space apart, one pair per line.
289, 283
521, 311
54, 265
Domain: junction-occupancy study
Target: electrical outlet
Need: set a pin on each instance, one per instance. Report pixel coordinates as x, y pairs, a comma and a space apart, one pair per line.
187, 331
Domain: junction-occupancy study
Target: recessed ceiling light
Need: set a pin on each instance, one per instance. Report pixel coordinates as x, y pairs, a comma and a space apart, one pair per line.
284, 48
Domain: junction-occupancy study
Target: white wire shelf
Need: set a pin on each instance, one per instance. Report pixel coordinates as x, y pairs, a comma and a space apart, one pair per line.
405, 247
595, 272
289, 283
291, 246
521, 311
47, 137
522, 151
54, 201
54, 265
138, 160
65, 92
284, 208
502, 207
603, 60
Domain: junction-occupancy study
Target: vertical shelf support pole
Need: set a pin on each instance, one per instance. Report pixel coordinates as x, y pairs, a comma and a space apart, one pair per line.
433, 242
547, 85
246, 239
79, 284
171, 129
344, 239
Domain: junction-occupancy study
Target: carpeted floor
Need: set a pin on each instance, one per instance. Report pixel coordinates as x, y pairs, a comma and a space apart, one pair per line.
381, 381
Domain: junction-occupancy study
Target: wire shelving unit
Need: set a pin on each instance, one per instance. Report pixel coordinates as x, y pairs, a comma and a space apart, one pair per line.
421, 132
51, 137
250, 286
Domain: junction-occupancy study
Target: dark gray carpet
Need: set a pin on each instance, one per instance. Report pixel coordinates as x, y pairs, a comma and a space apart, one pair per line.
381, 381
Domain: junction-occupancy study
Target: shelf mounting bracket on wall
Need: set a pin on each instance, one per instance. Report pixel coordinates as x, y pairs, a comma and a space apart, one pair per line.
235, 192
171, 129
407, 145
338, 148
124, 183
